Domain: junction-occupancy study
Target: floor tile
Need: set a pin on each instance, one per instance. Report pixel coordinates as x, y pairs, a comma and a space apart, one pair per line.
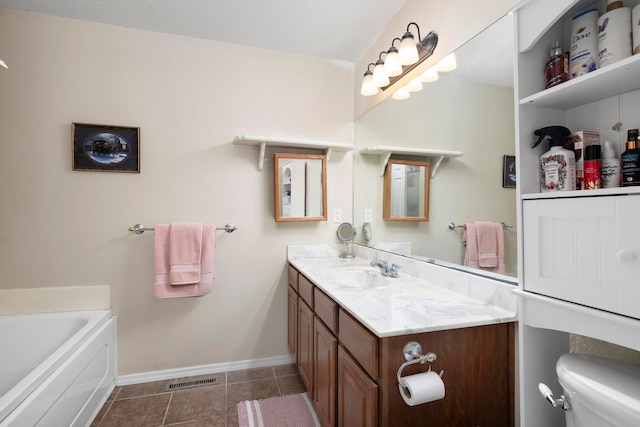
283, 370
232, 420
249, 375
250, 390
291, 384
143, 389
147, 411
197, 404
209, 422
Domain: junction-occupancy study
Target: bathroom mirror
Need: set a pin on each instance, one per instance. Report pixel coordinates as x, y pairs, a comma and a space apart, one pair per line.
300, 187
406, 191
471, 110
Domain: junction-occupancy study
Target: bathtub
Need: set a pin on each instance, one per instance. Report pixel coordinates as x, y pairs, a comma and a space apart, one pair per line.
56, 369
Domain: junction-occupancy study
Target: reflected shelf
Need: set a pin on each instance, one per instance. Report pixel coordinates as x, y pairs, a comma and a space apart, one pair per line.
263, 142
385, 153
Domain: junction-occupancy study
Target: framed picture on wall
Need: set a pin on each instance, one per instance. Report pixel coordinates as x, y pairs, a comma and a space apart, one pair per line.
509, 171
106, 148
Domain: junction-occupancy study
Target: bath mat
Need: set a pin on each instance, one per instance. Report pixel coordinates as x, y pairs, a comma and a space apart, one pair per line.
295, 410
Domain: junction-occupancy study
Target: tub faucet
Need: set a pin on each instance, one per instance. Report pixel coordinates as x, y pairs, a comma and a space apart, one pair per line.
387, 270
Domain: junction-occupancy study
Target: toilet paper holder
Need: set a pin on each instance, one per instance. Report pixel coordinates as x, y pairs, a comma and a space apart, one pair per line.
413, 354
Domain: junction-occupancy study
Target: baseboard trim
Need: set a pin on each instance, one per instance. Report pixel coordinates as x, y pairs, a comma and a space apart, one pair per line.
191, 371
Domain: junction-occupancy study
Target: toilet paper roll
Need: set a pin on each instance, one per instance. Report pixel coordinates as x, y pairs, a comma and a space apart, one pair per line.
421, 388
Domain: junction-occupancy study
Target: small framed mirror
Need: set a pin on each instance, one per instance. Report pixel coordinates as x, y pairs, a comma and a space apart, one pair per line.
300, 187
406, 191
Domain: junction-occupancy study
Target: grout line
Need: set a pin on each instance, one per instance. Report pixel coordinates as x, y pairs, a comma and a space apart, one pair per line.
166, 411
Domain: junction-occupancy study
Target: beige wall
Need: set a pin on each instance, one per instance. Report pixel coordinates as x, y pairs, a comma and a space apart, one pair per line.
455, 22
190, 97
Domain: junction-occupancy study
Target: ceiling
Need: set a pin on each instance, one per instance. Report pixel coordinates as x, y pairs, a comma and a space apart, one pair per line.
336, 29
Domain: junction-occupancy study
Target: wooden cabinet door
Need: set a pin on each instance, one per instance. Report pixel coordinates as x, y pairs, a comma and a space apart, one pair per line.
357, 394
292, 324
305, 345
324, 373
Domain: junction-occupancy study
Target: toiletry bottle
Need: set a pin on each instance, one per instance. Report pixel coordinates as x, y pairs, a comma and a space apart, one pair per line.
558, 165
556, 70
592, 168
631, 160
610, 167
614, 34
584, 43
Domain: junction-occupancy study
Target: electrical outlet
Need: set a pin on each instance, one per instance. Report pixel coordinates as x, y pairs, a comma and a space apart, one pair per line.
337, 215
368, 215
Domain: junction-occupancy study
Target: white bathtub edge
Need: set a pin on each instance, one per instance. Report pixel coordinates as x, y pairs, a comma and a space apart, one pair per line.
167, 374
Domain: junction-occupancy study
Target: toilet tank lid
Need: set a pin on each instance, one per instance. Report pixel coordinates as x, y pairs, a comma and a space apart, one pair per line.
609, 385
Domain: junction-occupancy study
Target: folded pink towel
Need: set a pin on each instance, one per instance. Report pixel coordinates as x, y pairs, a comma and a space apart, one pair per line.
162, 287
185, 252
484, 243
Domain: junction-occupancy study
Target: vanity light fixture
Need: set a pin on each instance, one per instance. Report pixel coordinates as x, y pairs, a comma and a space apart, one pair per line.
392, 64
380, 77
431, 75
448, 63
401, 94
399, 61
368, 86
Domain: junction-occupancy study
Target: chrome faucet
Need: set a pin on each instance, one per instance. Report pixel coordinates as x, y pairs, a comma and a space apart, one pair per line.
387, 270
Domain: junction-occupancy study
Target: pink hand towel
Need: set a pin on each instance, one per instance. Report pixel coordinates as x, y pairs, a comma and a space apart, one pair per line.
185, 252
470, 240
162, 288
487, 234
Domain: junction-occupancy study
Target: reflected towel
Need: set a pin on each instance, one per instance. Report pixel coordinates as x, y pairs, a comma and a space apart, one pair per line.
185, 252
162, 288
484, 242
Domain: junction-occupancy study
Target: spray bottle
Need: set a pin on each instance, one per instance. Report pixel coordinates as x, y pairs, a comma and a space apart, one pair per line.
558, 165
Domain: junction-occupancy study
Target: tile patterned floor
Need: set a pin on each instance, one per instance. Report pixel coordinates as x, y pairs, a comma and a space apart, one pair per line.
148, 405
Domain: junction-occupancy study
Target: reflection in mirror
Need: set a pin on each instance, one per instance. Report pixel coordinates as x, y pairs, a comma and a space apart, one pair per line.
300, 187
470, 109
406, 191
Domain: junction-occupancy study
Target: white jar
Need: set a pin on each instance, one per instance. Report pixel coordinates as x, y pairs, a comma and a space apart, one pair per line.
584, 43
614, 36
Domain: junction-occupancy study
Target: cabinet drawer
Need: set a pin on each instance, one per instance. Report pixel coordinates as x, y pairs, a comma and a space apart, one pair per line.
361, 343
326, 309
305, 289
293, 278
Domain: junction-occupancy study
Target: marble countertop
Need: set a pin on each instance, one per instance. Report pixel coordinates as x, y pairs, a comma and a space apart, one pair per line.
408, 305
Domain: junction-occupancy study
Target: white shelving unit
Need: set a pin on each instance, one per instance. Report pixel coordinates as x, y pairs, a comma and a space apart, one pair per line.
264, 142
385, 153
565, 286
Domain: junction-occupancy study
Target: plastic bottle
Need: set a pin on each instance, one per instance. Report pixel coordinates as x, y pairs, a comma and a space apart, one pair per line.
556, 70
614, 34
592, 164
630, 160
558, 165
610, 167
584, 43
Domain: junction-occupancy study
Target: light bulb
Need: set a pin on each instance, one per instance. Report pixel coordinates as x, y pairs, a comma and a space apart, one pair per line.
431, 75
448, 63
392, 63
401, 94
408, 52
368, 88
414, 85
380, 77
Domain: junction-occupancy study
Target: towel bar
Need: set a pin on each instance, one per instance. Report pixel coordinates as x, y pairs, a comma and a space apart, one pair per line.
139, 228
453, 226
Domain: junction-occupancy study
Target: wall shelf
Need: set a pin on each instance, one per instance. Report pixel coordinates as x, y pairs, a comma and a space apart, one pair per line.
263, 142
385, 153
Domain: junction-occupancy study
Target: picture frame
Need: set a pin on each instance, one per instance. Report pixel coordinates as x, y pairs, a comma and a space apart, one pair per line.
105, 148
509, 171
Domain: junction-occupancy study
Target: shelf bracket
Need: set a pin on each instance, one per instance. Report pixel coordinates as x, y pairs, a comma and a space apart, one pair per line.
384, 159
263, 146
436, 165
328, 154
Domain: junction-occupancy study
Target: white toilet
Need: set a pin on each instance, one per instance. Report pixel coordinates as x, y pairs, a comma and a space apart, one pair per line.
601, 392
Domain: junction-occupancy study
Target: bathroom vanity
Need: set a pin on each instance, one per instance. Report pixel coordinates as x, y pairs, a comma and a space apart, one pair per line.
348, 325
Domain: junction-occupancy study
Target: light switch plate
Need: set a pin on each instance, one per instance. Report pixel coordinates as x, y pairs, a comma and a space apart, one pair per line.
337, 215
368, 215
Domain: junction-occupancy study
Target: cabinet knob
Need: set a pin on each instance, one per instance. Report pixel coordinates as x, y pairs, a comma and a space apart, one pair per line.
626, 255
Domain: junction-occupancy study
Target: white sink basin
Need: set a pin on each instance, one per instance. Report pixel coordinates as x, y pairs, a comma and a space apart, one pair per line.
358, 278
